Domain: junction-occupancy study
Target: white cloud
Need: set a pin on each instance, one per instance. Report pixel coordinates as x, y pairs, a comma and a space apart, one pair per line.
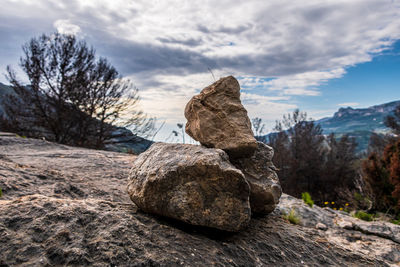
266, 108
282, 48
64, 26
305, 83
348, 104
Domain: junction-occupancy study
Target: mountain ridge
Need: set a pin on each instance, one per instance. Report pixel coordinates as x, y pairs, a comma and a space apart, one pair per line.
359, 123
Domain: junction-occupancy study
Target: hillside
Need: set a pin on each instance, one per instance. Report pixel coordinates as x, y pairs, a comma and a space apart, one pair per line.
4, 90
69, 206
359, 123
122, 139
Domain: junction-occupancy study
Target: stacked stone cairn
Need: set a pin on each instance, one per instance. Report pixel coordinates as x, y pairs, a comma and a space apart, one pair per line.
217, 184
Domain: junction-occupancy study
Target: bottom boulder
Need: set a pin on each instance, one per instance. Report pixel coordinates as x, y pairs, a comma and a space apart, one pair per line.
191, 183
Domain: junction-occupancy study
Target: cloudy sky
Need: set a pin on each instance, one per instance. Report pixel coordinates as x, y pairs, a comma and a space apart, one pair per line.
313, 55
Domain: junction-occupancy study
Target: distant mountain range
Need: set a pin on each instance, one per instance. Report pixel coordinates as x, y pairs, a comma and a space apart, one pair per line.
359, 123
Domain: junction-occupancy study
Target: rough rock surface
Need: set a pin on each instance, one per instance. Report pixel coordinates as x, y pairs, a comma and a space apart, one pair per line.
259, 172
69, 206
191, 183
378, 239
217, 118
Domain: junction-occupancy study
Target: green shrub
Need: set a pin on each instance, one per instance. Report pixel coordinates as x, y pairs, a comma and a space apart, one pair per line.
292, 217
364, 216
307, 199
396, 220
358, 197
362, 202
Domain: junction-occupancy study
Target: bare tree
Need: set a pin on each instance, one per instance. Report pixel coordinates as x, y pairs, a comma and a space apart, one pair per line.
382, 167
298, 153
393, 122
258, 129
338, 178
308, 161
378, 142
72, 96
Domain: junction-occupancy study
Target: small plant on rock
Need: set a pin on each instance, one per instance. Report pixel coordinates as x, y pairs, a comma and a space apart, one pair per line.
292, 217
362, 215
396, 220
307, 199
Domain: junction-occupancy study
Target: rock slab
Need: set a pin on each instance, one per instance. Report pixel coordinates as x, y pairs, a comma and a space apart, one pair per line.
259, 172
90, 221
191, 183
217, 119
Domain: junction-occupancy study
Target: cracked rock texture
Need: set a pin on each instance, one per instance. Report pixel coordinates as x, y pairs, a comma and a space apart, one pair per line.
216, 118
259, 172
69, 206
191, 183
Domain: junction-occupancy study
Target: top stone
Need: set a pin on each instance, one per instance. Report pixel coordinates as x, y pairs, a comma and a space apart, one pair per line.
217, 119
